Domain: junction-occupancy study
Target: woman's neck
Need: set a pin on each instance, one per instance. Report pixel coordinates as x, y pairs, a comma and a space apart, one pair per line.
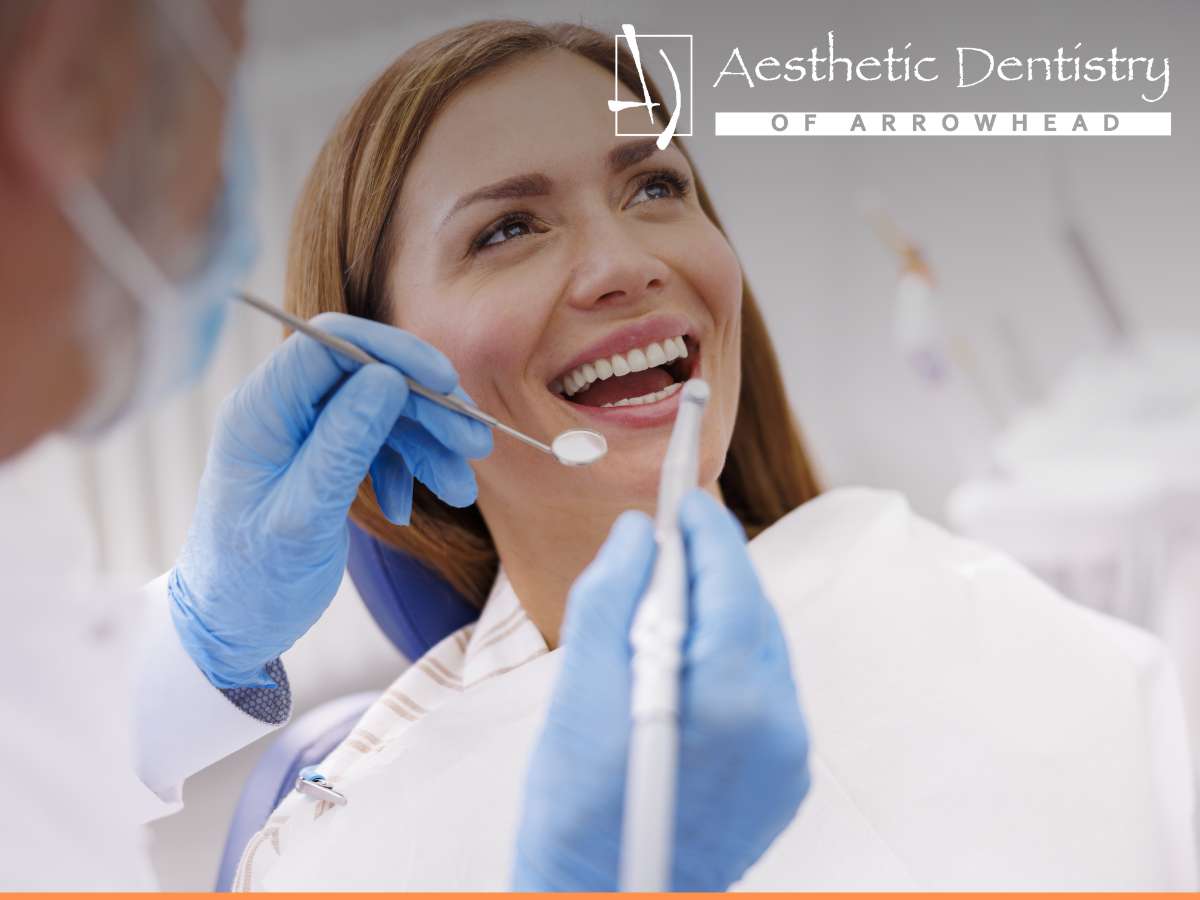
542, 554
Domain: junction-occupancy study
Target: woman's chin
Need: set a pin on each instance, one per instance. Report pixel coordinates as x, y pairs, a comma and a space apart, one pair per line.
628, 477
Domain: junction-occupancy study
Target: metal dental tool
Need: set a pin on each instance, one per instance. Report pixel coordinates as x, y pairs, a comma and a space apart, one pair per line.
659, 628
575, 447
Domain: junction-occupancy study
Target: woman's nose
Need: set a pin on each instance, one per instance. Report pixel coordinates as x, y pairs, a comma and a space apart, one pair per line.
613, 268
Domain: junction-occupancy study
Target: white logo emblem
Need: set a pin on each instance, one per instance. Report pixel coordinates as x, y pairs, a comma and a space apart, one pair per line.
681, 47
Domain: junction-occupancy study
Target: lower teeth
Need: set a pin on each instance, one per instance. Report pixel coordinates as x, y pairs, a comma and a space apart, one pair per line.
647, 398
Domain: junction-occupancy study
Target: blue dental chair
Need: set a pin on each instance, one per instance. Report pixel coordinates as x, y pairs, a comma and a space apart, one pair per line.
415, 608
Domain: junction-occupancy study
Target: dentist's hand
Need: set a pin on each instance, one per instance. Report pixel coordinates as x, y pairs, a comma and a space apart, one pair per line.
267, 545
743, 743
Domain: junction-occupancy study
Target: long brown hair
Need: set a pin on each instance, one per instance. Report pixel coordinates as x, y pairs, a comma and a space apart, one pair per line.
342, 242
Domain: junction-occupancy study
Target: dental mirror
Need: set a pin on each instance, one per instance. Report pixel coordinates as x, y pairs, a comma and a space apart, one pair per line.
577, 447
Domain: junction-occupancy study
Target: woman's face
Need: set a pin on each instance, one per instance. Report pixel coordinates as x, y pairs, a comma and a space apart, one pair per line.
563, 269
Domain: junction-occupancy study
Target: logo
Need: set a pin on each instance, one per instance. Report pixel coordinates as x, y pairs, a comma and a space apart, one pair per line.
680, 46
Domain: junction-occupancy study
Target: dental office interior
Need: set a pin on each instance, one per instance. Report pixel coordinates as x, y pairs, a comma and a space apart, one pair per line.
1005, 330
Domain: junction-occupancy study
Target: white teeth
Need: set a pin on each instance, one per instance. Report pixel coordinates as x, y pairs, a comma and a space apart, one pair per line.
657, 353
647, 398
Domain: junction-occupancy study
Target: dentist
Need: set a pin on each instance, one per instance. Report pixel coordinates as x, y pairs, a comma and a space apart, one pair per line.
124, 228
124, 195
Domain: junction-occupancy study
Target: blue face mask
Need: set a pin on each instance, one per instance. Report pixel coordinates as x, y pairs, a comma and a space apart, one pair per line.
232, 246
177, 322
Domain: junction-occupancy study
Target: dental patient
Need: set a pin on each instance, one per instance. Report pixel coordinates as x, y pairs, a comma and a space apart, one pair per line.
971, 729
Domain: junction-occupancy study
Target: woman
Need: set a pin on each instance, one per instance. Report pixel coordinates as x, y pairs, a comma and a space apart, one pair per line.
971, 728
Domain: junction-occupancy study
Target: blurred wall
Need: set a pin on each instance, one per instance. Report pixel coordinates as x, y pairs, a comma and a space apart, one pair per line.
987, 212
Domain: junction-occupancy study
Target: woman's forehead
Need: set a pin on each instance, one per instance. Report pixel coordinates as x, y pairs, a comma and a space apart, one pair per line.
541, 113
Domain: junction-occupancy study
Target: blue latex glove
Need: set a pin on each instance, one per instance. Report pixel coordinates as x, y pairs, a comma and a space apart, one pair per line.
743, 742
267, 546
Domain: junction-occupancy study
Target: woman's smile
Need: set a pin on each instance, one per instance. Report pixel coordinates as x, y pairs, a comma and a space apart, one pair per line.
631, 377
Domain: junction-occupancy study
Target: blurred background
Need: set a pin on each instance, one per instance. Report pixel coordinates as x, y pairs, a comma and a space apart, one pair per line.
1005, 330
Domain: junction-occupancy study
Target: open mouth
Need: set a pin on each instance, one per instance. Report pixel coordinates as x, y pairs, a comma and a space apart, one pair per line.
633, 378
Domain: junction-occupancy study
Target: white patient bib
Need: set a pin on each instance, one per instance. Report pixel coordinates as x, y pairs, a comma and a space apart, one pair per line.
458, 668
971, 730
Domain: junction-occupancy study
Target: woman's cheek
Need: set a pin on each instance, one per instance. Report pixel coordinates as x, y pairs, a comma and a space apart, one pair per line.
708, 263
722, 279
489, 352
717, 276
479, 335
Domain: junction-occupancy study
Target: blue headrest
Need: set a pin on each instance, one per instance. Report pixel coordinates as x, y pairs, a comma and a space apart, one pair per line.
413, 605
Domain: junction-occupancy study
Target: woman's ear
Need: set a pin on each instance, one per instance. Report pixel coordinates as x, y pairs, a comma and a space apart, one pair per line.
72, 76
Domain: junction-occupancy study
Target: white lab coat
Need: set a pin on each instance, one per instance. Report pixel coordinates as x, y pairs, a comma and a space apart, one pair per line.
971, 730
102, 712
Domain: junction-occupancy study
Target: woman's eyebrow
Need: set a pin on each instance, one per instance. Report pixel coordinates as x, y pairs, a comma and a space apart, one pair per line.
535, 184
630, 153
532, 185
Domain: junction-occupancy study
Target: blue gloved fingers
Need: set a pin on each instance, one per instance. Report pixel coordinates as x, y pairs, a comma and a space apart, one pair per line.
744, 744
393, 484
743, 747
441, 470
405, 351
728, 608
733, 619
603, 598
569, 838
267, 547
461, 434
354, 423
276, 408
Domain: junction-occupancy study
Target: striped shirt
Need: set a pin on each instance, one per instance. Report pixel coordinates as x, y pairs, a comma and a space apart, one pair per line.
502, 639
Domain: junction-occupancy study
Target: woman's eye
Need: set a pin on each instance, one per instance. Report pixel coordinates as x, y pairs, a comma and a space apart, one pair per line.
505, 230
660, 186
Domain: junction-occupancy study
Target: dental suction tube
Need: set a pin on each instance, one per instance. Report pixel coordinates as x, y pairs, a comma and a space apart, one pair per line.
657, 635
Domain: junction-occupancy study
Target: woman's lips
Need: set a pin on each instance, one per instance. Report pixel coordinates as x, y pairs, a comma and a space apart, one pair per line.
636, 335
644, 415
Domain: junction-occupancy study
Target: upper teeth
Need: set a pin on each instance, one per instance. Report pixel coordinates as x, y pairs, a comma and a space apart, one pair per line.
658, 353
